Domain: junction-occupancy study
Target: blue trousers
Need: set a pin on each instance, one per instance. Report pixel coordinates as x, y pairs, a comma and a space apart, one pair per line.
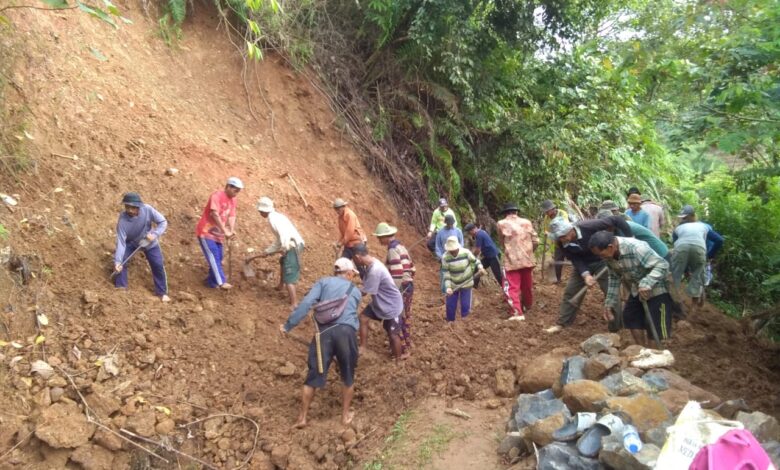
462, 296
155, 258
213, 252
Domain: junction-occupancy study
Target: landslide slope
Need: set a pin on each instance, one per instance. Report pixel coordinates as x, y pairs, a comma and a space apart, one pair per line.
90, 112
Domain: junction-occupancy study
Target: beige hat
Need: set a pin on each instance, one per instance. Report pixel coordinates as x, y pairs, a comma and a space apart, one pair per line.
265, 204
452, 244
385, 230
339, 203
343, 265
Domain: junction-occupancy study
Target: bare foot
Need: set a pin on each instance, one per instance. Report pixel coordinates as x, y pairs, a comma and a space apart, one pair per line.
361, 350
405, 356
300, 424
165, 298
346, 419
226, 286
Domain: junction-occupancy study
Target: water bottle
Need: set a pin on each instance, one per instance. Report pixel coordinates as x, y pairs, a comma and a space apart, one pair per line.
631, 440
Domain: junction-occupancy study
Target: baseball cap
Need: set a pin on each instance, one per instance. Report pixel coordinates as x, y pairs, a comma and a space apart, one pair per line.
338, 202
235, 182
686, 211
442, 202
559, 228
469, 227
343, 265
132, 199
265, 204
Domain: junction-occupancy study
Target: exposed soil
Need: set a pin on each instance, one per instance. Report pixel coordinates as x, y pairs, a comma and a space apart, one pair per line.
129, 108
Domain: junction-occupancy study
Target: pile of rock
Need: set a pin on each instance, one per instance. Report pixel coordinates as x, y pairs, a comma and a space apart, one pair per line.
601, 379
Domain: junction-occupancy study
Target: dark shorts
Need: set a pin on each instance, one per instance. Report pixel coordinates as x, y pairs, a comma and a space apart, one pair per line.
338, 341
291, 266
392, 326
660, 308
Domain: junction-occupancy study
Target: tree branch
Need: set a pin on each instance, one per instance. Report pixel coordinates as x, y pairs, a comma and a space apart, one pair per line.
33, 7
739, 117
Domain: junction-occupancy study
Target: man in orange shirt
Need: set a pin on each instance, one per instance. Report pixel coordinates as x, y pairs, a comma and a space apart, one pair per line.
519, 239
350, 232
216, 224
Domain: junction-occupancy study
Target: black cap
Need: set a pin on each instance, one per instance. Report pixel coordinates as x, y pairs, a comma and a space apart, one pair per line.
132, 199
509, 208
360, 249
469, 227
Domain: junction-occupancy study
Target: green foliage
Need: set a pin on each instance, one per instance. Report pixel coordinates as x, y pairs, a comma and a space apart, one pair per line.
3, 233
750, 223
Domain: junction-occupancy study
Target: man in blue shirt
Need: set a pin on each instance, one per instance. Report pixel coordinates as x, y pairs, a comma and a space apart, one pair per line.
484, 247
337, 338
449, 230
134, 230
635, 211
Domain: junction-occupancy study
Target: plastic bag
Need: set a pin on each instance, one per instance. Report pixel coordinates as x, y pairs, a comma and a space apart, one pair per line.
693, 430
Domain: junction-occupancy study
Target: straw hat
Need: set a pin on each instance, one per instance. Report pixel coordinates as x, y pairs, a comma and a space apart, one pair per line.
385, 230
452, 244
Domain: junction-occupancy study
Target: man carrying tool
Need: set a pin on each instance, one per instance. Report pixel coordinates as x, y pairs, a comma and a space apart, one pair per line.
401, 268
336, 338
643, 273
288, 242
519, 239
437, 223
217, 224
635, 210
487, 250
134, 232
589, 269
350, 232
386, 304
551, 211
449, 230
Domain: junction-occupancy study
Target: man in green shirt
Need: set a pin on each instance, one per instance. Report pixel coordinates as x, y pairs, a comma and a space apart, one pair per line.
437, 222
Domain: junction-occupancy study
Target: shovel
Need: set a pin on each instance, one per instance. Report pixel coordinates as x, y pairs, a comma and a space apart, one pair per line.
649, 321
248, 271
575, 301
142, 244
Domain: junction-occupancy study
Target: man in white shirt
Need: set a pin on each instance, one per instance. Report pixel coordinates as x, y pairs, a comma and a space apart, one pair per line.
288, 242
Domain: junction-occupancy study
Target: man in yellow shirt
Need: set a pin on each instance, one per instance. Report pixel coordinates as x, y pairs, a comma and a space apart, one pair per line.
551, 211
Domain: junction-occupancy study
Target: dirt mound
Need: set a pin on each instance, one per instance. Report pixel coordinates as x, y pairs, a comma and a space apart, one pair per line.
96, 112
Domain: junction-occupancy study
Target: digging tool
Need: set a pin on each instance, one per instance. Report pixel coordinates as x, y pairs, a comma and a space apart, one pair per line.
247, 270
230, 259
649, 320
142, 244
544, 252
318, 347
295, 186
575, 301
417, 243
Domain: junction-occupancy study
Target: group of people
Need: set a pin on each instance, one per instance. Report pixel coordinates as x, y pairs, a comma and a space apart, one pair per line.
610, 250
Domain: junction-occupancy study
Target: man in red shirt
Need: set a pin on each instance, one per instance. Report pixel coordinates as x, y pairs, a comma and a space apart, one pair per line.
218, 223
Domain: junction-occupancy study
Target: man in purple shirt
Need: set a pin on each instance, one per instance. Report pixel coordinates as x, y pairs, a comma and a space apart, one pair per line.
134, 231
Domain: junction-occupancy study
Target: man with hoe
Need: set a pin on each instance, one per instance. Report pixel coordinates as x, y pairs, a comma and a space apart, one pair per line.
288, 243
551, 211
386, 304
643, 273
336, 337
217, 224
519, 239
401, 268
484, 247
134, 232
437, 223
350, 232
589, 269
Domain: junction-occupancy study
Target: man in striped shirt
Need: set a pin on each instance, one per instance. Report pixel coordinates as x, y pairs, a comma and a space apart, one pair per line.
459, 266
643, 272
401, 268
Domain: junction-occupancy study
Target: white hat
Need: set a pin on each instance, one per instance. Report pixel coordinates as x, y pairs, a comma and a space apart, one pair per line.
338, 202
451, 244
345, 264
265, 204
559, 228
233, 181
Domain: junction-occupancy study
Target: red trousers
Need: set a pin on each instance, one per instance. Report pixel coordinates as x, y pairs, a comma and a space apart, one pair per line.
519, 283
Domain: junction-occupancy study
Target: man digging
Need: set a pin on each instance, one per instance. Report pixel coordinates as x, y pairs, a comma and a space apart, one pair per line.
336, 338
288, 242
134, 231
643, 273
217, 224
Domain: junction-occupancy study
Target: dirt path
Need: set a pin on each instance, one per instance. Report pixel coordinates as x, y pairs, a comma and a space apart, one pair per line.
138, 108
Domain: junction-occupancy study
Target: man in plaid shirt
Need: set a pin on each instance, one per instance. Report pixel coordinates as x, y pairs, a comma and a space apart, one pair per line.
643, 272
